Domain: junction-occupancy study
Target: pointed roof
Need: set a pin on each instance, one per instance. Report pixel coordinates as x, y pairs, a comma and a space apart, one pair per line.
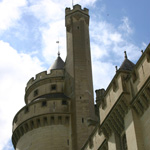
127, 64
58, 64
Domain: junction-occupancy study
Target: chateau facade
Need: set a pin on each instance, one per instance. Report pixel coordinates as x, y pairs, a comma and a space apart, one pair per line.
124, 109
60, 114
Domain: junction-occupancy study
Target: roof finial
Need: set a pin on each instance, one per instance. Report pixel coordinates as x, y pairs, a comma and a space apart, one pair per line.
125, 54
58, 47
142, 51
116, 68
58, 54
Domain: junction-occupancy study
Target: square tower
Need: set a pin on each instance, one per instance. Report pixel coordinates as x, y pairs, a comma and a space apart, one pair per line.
78, 65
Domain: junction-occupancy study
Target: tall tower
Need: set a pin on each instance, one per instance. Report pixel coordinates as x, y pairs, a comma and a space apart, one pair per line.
78, 65
44, 122
59, 101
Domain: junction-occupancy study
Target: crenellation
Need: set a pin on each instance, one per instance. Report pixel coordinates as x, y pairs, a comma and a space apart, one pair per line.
41, 75
77, 7
44, 75
29, 83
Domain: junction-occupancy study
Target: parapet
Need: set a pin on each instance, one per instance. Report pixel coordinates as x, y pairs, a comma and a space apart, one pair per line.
43, 75
77, 7
37, 77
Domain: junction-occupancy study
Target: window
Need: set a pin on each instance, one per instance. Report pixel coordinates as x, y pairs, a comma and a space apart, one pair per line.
44, 103
26, 110
52, 120
64, 102
36, 92
82, 120
53, 87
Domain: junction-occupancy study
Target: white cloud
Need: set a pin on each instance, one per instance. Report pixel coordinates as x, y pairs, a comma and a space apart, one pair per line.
103, 72
107, 48
85, 2
125, 26
53, 15
110, 40
52, 10
115, 37
104, 33
50, 35
10, 12
98, 51
16, 69
46, 10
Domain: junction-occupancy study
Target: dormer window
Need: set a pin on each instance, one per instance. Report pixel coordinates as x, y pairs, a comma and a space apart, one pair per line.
53, 87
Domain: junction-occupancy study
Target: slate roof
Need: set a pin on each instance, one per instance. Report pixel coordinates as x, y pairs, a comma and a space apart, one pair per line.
127, 65
58, 64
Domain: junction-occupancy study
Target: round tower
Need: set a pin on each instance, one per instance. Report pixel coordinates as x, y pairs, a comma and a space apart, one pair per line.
44, 123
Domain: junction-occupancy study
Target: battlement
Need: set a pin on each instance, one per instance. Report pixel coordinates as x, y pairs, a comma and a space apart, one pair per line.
38, 76
43, 75
119, 86
77, 7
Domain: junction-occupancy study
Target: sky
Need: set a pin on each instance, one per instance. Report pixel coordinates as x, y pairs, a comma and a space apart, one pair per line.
29, 30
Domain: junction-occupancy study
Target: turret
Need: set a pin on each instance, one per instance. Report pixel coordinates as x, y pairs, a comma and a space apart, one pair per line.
44, 123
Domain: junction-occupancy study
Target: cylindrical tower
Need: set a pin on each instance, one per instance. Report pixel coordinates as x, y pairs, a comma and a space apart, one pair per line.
45, 122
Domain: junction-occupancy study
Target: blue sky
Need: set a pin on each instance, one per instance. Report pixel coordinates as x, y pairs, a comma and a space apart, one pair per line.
29, 30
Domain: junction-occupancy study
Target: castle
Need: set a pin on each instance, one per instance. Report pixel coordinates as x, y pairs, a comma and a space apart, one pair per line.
60, 114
